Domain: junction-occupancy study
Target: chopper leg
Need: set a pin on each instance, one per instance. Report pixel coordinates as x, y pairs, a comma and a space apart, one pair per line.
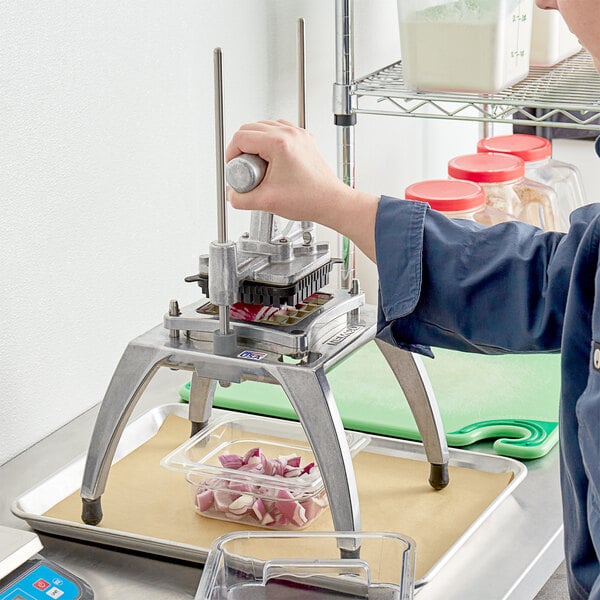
311, 397
202, 393
133, 373
414, 381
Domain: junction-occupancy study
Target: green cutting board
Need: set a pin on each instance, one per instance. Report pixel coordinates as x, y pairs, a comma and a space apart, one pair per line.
510, 397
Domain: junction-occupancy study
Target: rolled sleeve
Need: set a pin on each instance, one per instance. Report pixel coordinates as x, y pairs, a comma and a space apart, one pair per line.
453, 283
399, 229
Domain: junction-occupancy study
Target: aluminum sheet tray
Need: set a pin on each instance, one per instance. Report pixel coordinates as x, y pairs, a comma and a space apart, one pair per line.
33, 505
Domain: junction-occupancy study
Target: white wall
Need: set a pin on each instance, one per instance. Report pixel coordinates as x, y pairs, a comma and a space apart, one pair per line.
107, 170
107, 192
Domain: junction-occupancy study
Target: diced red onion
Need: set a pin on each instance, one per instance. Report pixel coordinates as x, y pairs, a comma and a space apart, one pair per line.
281, 521
231, 461
314, 506
259, 509
286, 504
277, 467
233, 517
293, 460
223, 499
242, 501
204, 500
251, 468
252, 452
299, 516
216, 483
252, 312
256, 462
241, 505
240, 486
308, 467
291, 472
267, 520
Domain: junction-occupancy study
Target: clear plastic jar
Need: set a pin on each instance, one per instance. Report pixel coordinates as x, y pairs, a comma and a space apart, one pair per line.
562, 177
457, 200
503, 178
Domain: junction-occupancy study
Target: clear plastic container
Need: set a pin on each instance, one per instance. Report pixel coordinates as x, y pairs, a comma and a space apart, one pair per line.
464, 45
277, 487
551, 39
260, 565
563, 178
507, 189
457, 200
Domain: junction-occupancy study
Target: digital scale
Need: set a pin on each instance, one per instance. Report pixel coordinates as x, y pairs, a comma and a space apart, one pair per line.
25, 575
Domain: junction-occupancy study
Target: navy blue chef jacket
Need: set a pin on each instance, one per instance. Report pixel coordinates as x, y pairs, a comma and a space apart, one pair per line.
509, 288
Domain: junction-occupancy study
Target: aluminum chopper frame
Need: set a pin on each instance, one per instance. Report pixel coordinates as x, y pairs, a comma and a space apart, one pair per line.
221, 350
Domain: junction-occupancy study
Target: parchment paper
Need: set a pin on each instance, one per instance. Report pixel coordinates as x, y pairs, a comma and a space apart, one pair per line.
144, 498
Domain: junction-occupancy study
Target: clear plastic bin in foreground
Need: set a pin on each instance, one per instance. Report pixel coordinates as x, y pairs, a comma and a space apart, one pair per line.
260, 565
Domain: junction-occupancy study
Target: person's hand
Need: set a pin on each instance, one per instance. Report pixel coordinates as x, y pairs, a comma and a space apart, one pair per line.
299, 185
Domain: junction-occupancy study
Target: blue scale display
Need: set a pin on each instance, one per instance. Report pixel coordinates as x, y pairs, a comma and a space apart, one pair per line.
38, 579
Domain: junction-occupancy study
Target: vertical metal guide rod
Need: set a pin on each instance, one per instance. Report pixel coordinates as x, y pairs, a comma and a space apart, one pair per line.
308, 227
301, 73
223, 282
219, 147
345, 119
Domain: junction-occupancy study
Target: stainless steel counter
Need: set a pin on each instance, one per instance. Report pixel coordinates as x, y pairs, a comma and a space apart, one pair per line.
509, 557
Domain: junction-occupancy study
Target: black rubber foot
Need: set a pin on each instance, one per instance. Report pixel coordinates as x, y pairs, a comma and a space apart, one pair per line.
350, 553
91, 511
438, 476
197, 426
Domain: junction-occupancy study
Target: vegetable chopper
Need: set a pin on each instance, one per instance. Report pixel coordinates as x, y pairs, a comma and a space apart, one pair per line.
278, 268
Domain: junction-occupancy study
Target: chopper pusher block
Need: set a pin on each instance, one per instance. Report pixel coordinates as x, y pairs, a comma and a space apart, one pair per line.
272, 273
256, 292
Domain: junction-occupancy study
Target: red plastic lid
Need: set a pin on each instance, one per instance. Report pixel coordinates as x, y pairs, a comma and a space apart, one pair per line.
447, 195
528, 147
486, 167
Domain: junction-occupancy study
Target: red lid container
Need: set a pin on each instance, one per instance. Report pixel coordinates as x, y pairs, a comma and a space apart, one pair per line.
447, 195
528, 147
487, 167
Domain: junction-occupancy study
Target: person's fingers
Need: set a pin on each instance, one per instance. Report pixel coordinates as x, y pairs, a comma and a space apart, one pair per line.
259, 126
245, 140
269, 123
246, 201
235, 198
287, 123
272, 126
257, 141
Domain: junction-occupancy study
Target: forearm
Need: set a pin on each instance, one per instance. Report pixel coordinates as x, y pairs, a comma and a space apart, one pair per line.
352, 213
